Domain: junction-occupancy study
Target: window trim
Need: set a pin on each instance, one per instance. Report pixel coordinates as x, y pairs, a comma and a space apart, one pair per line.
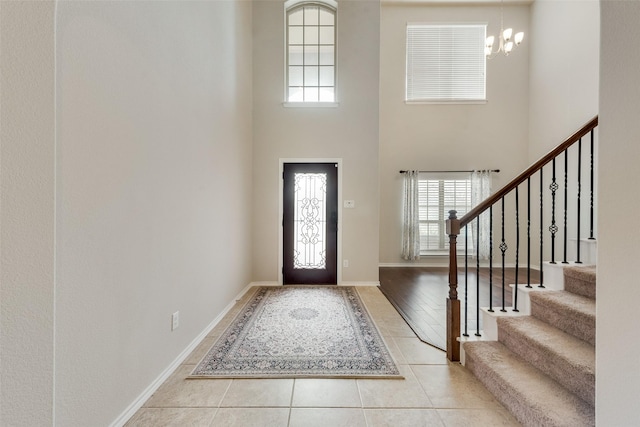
470, 101
288, 6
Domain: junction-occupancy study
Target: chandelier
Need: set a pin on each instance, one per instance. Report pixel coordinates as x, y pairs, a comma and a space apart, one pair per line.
505, 43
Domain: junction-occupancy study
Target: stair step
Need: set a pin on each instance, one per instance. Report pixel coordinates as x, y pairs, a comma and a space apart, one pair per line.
533, 398
563, 357
581, 281
571, 313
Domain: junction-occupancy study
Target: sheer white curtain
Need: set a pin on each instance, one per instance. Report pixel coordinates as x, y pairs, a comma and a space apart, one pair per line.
480, 190
410, 219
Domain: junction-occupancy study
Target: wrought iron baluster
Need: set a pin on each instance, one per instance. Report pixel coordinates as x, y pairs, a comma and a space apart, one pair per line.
478, 276
491, 258
529, 232
541, 284
515, 291
579, 190
503, 248
466, 275
553, 228
591, 190
566, 201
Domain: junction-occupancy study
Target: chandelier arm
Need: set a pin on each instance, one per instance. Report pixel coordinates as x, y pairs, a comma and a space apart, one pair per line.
501, 40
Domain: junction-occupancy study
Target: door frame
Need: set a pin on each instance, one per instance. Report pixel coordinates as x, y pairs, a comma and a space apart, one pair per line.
282, 161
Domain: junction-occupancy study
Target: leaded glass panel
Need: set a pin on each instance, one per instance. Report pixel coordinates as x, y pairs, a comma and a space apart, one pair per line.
309, 217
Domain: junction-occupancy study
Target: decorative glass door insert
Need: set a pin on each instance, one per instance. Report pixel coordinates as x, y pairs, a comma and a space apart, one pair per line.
310, 244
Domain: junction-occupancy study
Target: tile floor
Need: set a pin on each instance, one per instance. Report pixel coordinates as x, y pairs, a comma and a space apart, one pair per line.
434, 392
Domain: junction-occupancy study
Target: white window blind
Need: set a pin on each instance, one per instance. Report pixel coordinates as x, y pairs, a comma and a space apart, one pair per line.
437, 196
445, 62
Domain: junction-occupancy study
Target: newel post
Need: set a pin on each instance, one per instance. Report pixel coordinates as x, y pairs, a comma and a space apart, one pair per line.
453, 303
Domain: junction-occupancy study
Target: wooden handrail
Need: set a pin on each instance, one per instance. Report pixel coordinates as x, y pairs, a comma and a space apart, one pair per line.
473, 213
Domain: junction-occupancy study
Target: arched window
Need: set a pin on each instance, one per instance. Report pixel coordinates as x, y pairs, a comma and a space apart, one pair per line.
311, 51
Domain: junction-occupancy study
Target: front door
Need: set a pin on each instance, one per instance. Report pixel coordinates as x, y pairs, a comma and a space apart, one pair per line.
310, 223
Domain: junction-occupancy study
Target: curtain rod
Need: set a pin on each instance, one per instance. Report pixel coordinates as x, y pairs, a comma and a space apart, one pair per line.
481, 170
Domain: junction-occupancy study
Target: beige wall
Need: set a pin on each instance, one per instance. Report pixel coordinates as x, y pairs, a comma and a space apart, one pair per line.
27, 151
154, 129
617, 346
151, 118
447, 137
563, 71
563, 87
348, 132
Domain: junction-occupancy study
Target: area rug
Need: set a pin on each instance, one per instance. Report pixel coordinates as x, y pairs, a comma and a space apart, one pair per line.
300, 332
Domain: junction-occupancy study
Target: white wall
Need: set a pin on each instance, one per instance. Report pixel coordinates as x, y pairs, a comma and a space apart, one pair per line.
563, 71
617, 346
154, 131
448, 137
152, 119
348, 132
27, 213
563, 88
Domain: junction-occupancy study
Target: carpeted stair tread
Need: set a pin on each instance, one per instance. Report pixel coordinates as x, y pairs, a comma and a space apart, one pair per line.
532, 397
563, 357
580, 280
571, 313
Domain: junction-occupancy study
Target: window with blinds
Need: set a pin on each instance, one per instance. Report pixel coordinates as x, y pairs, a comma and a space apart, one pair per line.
437, 196
446, 63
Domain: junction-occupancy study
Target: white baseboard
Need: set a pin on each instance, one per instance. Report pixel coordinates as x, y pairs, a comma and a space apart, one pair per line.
371, 283
415, 264
264, 284
146, 394
365, 283
483, 264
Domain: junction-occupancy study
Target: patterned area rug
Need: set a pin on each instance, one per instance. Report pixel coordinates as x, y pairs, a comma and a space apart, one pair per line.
300, 331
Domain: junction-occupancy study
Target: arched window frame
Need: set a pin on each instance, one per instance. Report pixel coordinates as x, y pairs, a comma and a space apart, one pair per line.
300, 78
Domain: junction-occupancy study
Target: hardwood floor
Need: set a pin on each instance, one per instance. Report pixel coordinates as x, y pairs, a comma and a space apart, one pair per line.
420, 293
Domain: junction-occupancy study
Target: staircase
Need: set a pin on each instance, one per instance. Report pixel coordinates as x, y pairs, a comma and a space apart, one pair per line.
536, 356
542, 368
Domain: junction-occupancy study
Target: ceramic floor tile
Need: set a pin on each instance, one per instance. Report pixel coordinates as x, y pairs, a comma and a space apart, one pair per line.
222, 325
228, 318
406, 393
476, 417
374, 299
258, 393
327, 417
418, 353
333, 393
433, 393
218, 330
179, 392
397, 355
382, 312
199, 352
172, 417
402, 418
251, 417
452, 386
367, 290
396, 328
377, 299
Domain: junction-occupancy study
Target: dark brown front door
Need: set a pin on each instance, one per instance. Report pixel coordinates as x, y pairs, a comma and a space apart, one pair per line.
310, 223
